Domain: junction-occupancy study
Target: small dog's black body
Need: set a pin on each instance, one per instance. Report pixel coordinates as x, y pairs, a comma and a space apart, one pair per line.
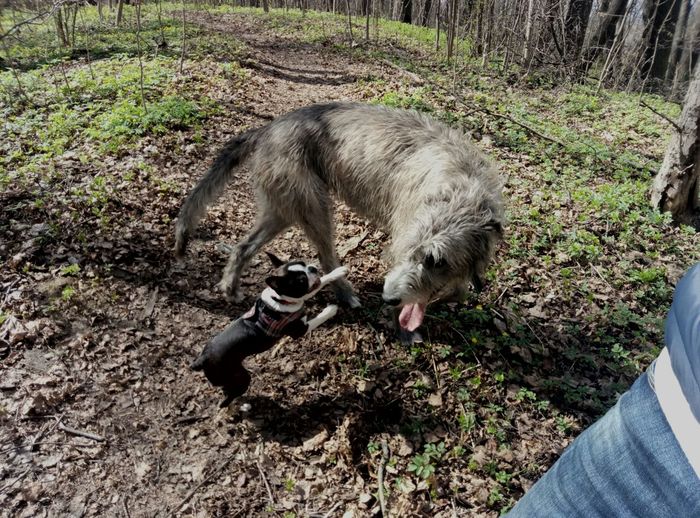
277, 312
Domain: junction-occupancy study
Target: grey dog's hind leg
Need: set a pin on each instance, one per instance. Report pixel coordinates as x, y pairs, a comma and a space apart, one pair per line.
318, 227
267, 226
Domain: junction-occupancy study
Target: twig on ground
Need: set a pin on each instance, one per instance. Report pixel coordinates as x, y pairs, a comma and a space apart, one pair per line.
330, 512
597, 271
80, 433
380, 478
126, 507
8, 486
267, 485
202, 483
189, 419
43, 432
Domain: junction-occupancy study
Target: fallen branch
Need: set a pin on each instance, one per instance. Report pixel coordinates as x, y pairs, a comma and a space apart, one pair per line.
80, 433
267, 485
10, 484
380, 478
665, 117
472, 106
125, 505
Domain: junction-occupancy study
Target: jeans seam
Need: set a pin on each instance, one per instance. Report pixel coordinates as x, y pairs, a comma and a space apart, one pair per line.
650, 376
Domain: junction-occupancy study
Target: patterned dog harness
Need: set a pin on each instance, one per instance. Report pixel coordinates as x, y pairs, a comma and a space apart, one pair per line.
276, 324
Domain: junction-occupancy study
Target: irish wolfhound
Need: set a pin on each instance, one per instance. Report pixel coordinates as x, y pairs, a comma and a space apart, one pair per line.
436, 195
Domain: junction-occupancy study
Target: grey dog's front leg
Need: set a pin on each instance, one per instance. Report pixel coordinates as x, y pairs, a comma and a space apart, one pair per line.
266, 228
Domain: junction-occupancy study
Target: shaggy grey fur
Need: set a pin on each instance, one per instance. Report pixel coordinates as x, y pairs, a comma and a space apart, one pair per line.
433, 191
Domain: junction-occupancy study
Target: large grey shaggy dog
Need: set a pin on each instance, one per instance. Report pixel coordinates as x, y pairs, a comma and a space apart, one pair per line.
437, 196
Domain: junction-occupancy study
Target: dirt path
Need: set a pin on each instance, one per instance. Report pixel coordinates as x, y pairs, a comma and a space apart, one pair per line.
114, 362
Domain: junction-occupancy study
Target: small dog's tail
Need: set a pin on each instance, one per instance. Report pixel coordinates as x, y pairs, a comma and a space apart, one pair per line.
210, 187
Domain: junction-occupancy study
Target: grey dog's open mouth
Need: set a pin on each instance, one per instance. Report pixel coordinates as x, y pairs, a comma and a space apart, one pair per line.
412, 315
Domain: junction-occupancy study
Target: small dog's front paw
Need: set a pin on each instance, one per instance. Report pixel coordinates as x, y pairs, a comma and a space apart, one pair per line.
330, 311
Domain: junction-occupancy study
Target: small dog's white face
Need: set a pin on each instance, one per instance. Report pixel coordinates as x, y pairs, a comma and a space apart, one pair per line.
293, 279
295, 268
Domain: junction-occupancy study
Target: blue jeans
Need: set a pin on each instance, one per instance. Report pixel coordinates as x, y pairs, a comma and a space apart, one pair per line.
627, 464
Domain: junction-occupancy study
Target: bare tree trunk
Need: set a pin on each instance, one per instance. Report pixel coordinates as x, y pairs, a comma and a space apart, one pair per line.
678, 37
60, 31
347, 7
367, 4
437, 25
138, 46
659, 39
120, 8
575, 25
691, 44
527, 55
452, 27
406, 11
184, 37
266, 6
677, 185
615, 47
603, 28
425, 19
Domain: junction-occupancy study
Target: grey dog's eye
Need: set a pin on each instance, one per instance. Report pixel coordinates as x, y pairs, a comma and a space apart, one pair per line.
431, 262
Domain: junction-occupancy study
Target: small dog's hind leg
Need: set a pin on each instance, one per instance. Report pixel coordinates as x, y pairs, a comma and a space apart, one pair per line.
266, 228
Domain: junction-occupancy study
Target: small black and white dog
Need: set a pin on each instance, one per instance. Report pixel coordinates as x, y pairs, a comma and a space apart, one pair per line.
278, 312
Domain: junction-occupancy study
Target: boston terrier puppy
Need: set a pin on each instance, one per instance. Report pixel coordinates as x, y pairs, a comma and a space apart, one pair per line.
278, 312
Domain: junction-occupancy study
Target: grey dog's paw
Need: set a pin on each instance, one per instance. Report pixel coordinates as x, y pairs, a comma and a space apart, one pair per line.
408, 338
231, 295
348, 299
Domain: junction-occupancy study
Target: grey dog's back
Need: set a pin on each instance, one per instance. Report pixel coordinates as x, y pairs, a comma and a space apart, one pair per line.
349, 146
437, 196
376, 159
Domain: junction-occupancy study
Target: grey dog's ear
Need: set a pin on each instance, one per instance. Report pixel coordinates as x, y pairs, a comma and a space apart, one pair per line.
478, 283
494, 226
276, 261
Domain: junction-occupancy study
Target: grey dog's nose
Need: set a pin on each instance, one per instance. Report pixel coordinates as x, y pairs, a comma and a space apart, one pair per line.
392, 301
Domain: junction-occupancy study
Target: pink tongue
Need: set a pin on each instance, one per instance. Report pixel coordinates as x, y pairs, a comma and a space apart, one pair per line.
411, 316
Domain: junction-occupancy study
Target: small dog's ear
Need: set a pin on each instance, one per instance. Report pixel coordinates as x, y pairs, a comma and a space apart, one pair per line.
276, 261
273, 282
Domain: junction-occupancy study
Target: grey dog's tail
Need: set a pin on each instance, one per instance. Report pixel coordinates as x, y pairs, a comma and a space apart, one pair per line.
210, 187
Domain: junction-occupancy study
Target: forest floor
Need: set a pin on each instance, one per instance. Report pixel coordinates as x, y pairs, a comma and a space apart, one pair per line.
99, 323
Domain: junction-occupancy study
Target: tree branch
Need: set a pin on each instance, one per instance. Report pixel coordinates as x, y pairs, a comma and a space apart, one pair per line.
665, 117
